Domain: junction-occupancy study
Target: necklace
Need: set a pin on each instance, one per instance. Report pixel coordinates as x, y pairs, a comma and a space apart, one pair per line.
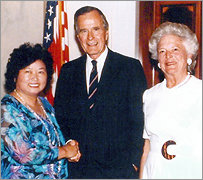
46, 127
185, 81
180, 84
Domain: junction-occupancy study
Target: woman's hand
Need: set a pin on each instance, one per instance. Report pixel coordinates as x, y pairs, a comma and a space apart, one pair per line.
70, 151
75, 158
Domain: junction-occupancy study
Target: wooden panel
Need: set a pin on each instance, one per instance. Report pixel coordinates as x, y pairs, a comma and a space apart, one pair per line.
186, 12
145, 31
152, 14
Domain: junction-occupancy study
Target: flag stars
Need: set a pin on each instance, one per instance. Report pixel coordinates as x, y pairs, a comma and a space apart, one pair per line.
50, 10
49, 23
47, 37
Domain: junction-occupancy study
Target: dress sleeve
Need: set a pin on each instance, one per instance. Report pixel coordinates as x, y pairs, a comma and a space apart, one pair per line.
145, 134
20, 143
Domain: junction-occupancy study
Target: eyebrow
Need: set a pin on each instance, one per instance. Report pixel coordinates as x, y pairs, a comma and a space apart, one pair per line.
38, 68
42, 68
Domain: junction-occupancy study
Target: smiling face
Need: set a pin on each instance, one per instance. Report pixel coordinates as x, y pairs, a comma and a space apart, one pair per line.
32, 79
172, 56
91, 34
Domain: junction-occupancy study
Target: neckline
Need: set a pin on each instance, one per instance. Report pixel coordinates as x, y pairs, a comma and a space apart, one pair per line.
188, 77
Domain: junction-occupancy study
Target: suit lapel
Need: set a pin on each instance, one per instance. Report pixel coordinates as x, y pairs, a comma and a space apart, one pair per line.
110, 70
80, 77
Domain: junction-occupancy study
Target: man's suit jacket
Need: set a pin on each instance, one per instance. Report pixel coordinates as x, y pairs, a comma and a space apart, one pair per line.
110, 135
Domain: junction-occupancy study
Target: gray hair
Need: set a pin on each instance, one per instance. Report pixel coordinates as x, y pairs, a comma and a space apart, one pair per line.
189, 38
85, 10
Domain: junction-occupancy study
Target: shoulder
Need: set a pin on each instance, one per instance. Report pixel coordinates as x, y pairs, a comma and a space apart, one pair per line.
74, 62
70, 67
196, 81
153, 90
9, 100
195, 85
46, 104
131, 67
11, 107
120, 61
122, 58
44, 101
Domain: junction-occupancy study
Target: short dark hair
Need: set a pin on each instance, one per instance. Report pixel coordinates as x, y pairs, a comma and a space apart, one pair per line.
22, 57
87, 9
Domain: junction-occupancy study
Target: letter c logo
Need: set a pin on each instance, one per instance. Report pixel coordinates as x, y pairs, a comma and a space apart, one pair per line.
164, 150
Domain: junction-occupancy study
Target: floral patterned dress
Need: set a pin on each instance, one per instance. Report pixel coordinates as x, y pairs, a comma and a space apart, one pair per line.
27, 152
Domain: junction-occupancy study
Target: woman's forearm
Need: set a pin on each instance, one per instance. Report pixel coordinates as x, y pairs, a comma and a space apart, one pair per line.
146, 149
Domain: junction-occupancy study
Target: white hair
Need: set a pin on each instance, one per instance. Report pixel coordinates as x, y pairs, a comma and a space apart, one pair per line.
189, 38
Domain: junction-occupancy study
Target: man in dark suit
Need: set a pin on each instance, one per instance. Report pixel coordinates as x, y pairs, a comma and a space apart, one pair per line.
109, 126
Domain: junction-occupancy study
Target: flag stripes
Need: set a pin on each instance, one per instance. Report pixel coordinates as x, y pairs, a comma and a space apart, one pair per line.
56, 38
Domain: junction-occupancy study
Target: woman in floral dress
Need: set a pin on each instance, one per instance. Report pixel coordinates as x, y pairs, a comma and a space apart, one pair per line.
32, 145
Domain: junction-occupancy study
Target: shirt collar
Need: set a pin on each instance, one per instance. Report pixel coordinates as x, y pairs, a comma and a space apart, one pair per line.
100, 60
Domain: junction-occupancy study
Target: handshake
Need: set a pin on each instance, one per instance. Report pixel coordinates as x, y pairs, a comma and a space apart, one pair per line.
70, 151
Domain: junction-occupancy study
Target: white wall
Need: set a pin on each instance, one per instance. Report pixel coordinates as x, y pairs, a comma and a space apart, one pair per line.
23, 21
121, 17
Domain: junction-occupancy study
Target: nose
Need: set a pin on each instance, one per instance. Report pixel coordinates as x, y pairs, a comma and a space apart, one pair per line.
168, 54
34, 76
90, 35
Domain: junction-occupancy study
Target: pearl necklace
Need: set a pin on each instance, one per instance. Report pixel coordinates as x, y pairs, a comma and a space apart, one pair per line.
184, 81
40, 118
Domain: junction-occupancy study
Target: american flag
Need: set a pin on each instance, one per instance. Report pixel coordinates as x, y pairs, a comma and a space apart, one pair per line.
55, 38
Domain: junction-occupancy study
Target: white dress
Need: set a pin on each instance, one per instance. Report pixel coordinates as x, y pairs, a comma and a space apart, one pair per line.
174, 114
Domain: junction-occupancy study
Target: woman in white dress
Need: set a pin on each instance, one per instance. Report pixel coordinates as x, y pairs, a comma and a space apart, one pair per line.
173, 108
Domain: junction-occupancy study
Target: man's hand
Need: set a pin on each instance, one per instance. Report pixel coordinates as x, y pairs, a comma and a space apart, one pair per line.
135, 167
70, 151
75, 158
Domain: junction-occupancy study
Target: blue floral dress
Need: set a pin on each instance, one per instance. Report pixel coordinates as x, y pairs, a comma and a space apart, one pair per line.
26, 150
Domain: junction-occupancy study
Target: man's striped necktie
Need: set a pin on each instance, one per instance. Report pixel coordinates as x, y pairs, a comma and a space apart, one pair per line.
93, 84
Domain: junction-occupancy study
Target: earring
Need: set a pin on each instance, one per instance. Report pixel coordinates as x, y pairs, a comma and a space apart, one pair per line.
159, 65
189, 61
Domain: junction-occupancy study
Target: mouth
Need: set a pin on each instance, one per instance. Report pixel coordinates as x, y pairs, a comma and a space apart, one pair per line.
92, 43
170, 63
34, 84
